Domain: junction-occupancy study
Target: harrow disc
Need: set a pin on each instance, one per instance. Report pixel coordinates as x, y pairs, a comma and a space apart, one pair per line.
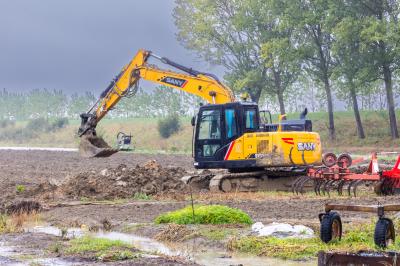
329, 159
345, 159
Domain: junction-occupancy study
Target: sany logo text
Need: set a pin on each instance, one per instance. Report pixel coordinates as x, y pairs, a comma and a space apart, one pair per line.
306, 146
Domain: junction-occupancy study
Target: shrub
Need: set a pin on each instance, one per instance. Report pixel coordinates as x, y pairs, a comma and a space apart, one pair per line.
38, 125
6, 123
205, 214
17, 134
169, 126
33, 128
60, 123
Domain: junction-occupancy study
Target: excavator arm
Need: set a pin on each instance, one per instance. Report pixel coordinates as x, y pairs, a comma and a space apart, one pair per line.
204, 85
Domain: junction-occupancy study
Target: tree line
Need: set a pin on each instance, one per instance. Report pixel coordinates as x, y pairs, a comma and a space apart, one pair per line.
45, 103
160, 101
274, 49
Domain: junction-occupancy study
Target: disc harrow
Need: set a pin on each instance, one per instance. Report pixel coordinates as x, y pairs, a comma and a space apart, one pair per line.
336, 175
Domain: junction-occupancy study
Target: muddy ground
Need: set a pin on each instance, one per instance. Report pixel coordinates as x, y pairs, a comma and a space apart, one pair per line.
29, 169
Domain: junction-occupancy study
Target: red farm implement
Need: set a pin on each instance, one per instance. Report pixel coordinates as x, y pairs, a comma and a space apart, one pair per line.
337, 174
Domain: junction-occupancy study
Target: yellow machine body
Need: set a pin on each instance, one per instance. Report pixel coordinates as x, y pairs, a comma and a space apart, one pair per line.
272, 149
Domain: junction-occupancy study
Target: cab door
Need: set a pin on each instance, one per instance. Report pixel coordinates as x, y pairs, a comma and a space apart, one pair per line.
209, 134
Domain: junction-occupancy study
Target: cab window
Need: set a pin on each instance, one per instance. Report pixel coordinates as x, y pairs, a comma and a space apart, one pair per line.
210, 125
230, 123
251, 119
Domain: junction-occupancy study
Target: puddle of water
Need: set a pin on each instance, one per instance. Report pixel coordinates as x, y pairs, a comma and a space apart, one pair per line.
223, 259
52, 262
188, 251
51, 230
5, 253
143, 243
7, 250
8, 253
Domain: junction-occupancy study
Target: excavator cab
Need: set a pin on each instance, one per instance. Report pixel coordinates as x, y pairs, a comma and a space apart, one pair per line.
233, 136
217, 126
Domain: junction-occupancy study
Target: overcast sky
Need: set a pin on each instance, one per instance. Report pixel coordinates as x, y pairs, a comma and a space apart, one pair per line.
79, 45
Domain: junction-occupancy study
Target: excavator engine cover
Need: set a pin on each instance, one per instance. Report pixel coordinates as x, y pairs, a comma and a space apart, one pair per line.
93, 146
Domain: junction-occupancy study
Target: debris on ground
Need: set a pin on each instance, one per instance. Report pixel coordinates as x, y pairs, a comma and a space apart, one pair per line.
25, 206
282, 230
174, 233
123, 182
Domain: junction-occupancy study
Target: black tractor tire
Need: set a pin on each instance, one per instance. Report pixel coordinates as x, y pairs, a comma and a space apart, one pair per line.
384, 232
331, 227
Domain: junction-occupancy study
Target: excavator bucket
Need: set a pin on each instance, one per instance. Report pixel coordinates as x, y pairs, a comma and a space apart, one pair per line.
93, 146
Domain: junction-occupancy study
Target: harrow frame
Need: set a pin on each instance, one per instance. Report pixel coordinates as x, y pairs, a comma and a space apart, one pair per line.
339, 175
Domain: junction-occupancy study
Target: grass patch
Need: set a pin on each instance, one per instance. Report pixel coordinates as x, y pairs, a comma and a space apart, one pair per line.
358, 238
102, 249
205, 214
14, 223
141, 196
218, 234
89, 244
130, 228
10, 224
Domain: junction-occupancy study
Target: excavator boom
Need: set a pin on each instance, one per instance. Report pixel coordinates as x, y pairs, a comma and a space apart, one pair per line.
202, 84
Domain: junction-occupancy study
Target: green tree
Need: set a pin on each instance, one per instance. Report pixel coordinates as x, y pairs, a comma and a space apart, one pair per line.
214, 29
313, 21
247, 38
353, 69
381, 37
278, 44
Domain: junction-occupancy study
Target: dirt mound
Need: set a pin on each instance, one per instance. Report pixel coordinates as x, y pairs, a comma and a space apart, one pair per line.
123, 182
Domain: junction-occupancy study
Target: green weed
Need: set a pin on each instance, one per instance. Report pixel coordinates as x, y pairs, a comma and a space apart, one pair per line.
117, 255
20, 188
103, 249
91, 244
205, 214
141, 196
56, 248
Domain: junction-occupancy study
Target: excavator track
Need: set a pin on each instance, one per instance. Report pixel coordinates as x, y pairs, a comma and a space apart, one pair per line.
224, 181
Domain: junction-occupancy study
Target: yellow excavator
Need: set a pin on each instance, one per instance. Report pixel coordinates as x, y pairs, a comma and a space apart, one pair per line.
228, 134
